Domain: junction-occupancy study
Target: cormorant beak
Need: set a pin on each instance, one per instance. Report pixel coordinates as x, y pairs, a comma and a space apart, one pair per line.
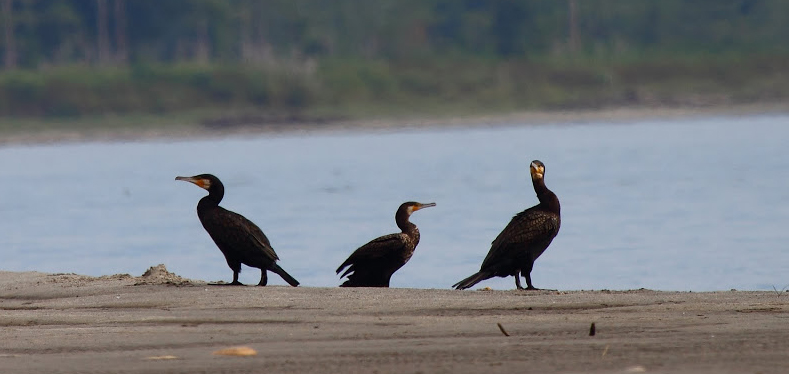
537, 171
202, 183
426, 205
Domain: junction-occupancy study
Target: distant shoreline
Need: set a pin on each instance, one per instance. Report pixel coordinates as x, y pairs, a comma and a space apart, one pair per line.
193, 131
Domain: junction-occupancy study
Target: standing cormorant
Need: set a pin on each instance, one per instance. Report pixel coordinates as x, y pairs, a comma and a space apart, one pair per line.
524, 239
240, 240
373, 264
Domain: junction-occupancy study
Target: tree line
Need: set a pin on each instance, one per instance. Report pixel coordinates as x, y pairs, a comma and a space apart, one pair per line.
361, 57
41, 33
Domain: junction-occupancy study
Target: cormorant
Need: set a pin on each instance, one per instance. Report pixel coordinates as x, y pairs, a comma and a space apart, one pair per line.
373, 264
524, 239
240, 240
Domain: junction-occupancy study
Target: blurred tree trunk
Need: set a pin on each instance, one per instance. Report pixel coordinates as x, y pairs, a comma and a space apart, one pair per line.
203, 45
573, 25
254, 46
121, 51
101, 31
245, 34
10, 42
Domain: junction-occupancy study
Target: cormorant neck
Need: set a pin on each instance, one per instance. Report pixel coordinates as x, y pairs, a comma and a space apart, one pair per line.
546, 196
215, 195
401, 218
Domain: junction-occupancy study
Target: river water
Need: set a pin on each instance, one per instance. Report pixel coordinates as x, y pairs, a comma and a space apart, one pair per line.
690, 204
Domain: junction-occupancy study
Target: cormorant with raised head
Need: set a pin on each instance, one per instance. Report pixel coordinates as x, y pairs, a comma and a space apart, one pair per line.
373, 264
524, 239
240, 240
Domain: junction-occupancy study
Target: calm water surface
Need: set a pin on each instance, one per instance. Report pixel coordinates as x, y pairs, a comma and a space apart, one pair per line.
697, 204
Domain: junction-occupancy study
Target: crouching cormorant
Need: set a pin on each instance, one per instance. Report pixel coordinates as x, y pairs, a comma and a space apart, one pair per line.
373, 264
524, 239
240, 240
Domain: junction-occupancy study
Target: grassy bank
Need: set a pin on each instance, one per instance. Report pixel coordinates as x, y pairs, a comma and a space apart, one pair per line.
360, 89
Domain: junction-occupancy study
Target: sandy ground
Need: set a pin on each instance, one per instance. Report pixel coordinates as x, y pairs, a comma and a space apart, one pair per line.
198, 131
160, 323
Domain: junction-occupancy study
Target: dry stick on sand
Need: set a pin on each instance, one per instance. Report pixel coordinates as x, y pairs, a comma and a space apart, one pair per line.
502, 329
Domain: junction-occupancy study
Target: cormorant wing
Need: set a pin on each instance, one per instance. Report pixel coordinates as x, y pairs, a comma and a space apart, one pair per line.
376, 248
262, 242
250, 233
527, 227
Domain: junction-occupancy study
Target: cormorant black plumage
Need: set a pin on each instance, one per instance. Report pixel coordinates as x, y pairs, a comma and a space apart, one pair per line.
240, 240
524, 239
373, 264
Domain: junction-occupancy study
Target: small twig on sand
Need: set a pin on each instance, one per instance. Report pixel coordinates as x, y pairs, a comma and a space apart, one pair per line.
502, 329
605, 350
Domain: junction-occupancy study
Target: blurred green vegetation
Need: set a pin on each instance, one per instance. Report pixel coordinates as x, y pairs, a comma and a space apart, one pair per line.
71, 58
75, 90
368, 88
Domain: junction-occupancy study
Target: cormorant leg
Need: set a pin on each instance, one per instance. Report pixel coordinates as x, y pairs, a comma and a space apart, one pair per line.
518, 280
528, 282
527, 274
263, 278
235, 279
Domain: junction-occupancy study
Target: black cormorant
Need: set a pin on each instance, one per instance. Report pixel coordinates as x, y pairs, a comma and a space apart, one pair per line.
240, 240
373, 264
524, 239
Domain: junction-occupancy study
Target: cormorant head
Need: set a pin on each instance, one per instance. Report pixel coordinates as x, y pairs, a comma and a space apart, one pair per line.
537, 169
204, 181
207, 182
405, 210
412, 206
